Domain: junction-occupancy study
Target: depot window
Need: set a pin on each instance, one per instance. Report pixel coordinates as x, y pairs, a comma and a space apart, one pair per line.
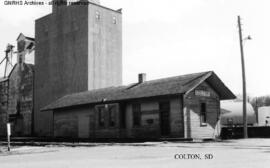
203, 113
112, 115
101, 116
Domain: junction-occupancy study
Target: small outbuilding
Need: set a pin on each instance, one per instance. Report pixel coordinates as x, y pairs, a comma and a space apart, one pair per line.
186, 106
264, 116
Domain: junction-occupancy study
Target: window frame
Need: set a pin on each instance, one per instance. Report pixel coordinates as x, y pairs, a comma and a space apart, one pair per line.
203, 114
165, 125
106, 116
101, 115
112, 117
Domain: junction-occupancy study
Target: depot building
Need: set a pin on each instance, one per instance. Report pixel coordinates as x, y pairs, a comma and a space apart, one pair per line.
186, 106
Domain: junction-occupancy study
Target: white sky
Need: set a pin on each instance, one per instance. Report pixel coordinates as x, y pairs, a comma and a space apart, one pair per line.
174, 37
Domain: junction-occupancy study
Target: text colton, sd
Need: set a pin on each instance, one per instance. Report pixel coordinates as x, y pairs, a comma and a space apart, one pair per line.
193, 156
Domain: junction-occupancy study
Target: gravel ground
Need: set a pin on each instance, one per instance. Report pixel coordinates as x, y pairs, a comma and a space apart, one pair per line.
227, 154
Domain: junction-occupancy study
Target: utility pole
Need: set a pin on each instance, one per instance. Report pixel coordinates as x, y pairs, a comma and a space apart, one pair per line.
243, 80
256, 110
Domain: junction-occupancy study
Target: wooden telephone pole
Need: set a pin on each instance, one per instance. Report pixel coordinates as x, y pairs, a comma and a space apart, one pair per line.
243, 80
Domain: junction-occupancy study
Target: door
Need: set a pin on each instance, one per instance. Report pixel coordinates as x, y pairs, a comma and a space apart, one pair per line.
164, 118
83, 126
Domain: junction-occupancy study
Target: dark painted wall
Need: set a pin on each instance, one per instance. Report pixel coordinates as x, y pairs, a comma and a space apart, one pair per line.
150, 111
61, 60
82, 122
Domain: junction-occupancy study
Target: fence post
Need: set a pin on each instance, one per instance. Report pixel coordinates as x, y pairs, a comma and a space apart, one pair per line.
8, 135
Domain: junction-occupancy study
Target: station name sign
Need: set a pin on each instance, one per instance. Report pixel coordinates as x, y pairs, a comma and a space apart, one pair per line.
203, 93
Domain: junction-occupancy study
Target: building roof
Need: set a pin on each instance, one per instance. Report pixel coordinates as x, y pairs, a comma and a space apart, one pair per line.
23, 36
160, 87
31, 66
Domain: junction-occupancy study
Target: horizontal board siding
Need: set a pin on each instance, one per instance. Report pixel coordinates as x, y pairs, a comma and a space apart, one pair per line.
83, 126
73, 122
193, 127
150, 124
176, 118
107, 131
83, 122
66, 126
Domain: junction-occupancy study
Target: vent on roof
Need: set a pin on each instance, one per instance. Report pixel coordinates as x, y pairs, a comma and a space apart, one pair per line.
142, 77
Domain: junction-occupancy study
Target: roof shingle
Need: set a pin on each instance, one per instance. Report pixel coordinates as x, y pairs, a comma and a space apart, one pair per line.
159, 87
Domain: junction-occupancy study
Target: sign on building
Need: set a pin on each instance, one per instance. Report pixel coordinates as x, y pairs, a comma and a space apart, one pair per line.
203, 93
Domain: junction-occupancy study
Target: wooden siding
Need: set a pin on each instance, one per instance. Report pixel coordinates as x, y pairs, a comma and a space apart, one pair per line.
84, 126
150, 111
177, 123
72, 123
82, 122
107, 131
193, 127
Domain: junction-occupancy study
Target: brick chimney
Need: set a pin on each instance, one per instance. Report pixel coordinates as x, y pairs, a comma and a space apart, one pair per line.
142, 77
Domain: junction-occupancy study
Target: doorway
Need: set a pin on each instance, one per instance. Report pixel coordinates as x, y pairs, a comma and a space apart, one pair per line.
164, 118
